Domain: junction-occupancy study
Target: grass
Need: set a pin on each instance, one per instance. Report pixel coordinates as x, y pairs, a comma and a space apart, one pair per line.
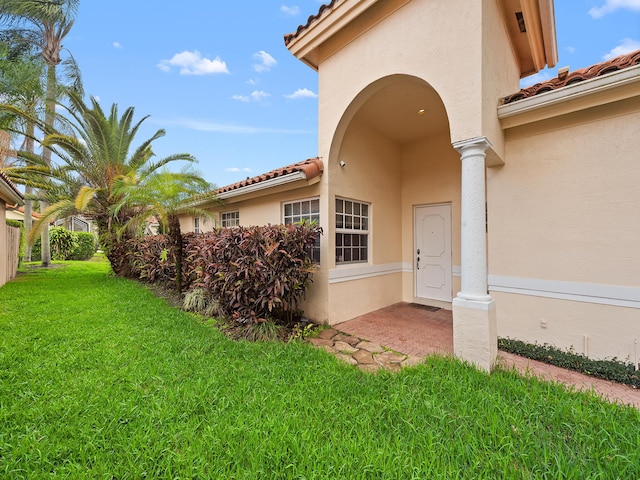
100, 379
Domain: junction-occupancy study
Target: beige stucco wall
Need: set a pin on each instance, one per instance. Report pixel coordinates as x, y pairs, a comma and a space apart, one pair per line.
372, 175
564, 208
500, 72
439, 42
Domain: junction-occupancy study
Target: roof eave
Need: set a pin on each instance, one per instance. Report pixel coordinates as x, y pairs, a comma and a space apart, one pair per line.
614, 86
306, 43
9, 194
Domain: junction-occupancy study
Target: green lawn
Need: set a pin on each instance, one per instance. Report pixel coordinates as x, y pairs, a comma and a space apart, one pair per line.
100, 379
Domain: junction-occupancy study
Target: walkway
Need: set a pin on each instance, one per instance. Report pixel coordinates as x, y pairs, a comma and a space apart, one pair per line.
402, 334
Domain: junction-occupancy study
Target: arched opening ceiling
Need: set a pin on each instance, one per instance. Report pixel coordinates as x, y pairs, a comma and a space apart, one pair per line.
405, 110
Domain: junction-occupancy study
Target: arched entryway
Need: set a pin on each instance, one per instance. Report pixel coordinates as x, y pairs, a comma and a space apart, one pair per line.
392, 153
391, 156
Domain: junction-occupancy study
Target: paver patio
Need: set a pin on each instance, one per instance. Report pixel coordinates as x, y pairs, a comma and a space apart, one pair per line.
403, 334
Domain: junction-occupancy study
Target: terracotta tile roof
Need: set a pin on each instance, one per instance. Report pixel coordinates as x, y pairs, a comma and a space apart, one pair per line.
597, 70
288, 38
312, 168
4, 177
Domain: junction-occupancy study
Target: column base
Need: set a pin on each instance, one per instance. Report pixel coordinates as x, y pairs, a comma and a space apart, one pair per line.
475, 332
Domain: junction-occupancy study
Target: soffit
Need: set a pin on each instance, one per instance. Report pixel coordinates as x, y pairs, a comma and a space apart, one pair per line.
531, 28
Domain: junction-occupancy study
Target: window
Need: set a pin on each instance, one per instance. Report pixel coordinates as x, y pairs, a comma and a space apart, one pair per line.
196, 225
352, 231
308, 211
231, 219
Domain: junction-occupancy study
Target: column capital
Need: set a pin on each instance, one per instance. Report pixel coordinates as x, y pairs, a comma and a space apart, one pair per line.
481, 143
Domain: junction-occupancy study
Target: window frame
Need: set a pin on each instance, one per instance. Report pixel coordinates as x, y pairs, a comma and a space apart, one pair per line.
196, 225
235, 218
343, 234
315, 254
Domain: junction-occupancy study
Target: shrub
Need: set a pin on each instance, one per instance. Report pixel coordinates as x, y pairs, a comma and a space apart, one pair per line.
254, 273
63, 242
86, 246
614, 369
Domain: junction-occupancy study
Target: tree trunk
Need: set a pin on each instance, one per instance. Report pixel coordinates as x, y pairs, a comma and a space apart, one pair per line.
28, 204
49, 118
176, 244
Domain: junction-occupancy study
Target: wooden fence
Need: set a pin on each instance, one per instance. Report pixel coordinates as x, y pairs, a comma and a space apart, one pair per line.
13, 251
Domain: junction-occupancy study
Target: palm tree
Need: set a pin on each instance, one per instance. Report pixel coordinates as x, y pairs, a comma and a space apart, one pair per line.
99, 157
21, 83
165, 195
43, 24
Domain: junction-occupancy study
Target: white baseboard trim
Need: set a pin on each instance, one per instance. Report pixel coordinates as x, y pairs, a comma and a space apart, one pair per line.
358, 272
575, 291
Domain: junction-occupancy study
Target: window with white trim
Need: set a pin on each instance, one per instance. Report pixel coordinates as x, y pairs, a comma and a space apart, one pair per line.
196, 224
307, 210
230, 219
352, 231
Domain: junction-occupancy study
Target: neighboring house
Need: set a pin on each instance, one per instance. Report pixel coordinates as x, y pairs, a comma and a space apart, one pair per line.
16, 212
9, 236
441, 183
76, 223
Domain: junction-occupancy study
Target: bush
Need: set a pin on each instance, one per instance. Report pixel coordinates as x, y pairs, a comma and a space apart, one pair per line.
614, 369
63, 242
249, 274
255, 273
86, 242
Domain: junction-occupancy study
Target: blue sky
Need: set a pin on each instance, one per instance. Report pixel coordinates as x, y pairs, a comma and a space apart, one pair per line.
217, 76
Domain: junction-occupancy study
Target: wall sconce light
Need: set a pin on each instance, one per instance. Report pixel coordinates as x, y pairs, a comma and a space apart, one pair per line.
342, 163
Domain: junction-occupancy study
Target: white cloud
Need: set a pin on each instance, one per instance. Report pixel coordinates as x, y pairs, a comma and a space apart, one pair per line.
258, 95
253, 82
117, 45
193, 63
570, 49
541, 76
264, 61
208, 126
302, 93
291, 11
613, 5
237, 169
627, 45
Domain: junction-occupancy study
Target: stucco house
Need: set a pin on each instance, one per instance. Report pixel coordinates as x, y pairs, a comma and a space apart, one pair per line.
9, 236
438, 181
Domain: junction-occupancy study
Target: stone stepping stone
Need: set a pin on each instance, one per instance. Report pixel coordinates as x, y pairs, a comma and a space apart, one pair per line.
370, 347
327, 334
344, 347
364, 358
346, 358
350, 339
321, 342
389, 359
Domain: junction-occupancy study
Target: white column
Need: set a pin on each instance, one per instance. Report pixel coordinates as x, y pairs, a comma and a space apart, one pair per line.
475, 336
473, 231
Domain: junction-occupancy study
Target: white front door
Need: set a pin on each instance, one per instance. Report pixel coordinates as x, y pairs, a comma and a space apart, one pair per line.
432, 252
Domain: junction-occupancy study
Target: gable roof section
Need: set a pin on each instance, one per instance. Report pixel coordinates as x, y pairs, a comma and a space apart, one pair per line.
292, 176
615, 64
8, 191
288, 38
